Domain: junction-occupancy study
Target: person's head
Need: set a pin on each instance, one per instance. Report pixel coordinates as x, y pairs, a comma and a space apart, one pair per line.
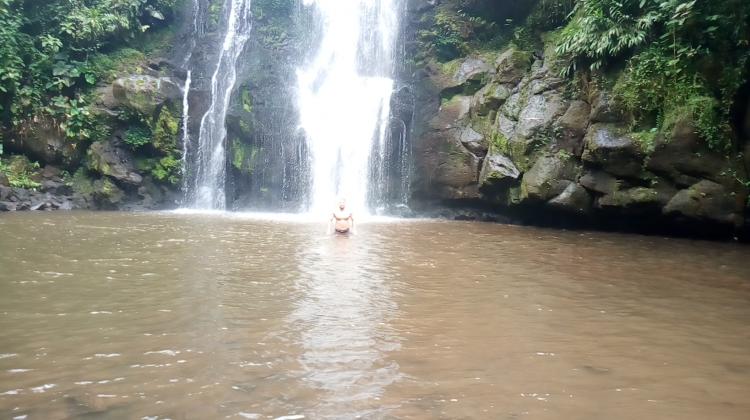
342, 204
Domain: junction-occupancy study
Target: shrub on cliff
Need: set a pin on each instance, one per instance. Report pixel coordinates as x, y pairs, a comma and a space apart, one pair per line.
681, 57
48, 54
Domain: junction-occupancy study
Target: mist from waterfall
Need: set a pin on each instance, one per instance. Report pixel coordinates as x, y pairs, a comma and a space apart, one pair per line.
344, 100
206, 189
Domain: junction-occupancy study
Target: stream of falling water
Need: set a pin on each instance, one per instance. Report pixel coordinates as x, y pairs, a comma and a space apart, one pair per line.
344, 97
186, 87
207, 191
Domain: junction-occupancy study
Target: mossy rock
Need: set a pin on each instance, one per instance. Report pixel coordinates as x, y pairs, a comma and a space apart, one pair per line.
512, 65
549, 177
105, 158
707, 200
106, 193
166, 132
613, 149
144, 94
244, 157
632, 197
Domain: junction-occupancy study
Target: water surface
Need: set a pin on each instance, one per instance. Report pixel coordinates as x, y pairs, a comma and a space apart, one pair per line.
112, 315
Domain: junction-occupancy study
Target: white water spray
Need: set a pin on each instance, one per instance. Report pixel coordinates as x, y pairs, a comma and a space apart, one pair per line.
344, 97
208, 187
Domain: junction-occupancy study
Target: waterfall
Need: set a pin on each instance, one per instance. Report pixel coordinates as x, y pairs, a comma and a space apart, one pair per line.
208, 167
186, 119
195, 12
344, 101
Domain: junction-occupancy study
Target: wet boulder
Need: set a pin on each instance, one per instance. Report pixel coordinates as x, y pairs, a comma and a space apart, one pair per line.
447, 168
609, 147
42, 139
631, 198
498, 171
472, 70
452, 114
571, 127
605, 108
145, 93
473, 141
706, 200
548, 177
489, 98
8, 206
511, 66
107, 159
450, 171
599, 182
533, 131
683, 156
573, 199
505, 126
5, 192
106, 194
539, 114
512, 107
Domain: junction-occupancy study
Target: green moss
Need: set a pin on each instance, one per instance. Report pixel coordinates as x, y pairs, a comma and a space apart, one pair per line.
247, 101
107, 67
564, 155
166, 131
245, 128
450, 68
244, 157
81, 182
214, 14
499, 143
634, 196
167, 169
646, 140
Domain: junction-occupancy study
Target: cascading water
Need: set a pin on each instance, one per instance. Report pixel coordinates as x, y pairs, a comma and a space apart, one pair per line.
208, 166
344, 100
195, 32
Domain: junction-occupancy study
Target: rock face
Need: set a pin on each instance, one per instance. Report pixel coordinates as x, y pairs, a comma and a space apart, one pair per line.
610, 148
549, 177
571, 127
684, 156
43, 141
145, 93
498, 171
705, 200
525, 141
107, 159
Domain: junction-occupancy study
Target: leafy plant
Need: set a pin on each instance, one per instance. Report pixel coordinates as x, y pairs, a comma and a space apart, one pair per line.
168, 169
601, 29
20, 172
49, 52
137, 136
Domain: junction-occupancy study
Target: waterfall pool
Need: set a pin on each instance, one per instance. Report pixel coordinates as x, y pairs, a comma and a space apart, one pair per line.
220, 315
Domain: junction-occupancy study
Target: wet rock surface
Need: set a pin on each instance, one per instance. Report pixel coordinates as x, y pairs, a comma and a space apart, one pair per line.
525, 143
144, 93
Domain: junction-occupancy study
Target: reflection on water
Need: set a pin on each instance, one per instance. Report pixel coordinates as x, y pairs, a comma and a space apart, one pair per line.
342, 316
113, 315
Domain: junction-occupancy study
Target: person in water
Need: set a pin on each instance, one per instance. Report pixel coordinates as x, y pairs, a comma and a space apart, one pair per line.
342, 219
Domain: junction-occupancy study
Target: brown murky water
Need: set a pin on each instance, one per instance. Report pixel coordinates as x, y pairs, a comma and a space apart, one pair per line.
209, 316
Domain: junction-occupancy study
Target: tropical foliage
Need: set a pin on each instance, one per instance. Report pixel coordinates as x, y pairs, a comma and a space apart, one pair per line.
682, 57
51, 54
